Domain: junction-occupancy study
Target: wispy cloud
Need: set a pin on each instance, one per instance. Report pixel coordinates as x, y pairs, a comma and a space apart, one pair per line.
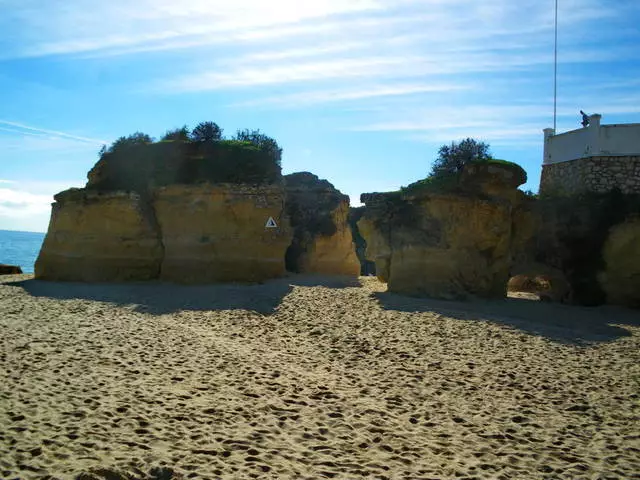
86, 26
364, 92
21, 128
400, 67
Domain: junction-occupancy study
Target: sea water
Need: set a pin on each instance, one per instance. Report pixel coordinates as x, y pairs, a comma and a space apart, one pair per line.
20, 248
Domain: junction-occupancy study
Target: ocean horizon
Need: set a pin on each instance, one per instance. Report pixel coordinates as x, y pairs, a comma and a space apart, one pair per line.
20, 248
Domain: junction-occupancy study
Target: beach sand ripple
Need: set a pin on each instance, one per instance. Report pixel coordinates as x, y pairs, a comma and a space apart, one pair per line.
310, 378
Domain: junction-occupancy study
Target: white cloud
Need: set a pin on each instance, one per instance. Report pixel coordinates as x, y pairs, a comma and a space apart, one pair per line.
17, 203
26, 205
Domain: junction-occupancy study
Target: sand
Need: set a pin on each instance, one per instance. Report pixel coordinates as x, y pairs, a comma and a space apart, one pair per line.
311, 378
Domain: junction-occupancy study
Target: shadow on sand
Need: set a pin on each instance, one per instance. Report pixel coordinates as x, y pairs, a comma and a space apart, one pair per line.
567, 324
162, 298
159, 298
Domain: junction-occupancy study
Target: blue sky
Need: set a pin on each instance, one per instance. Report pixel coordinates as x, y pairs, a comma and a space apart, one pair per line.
361, 92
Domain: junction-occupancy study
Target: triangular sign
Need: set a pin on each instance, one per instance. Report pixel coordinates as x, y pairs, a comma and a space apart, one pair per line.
271, 223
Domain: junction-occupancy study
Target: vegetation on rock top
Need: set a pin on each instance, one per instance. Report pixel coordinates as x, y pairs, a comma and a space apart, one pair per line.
448, 168
137, 162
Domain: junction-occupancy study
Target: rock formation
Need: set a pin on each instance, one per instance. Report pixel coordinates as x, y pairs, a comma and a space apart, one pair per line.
161, 211
549, 283
9, 269
181, 233
98, 237
449, 244
322, 240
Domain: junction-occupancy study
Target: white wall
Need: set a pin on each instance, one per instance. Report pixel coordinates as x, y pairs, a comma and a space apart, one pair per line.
567, 146
620, 139
592, 141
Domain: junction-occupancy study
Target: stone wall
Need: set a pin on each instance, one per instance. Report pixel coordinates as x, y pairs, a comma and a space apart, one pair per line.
593, 174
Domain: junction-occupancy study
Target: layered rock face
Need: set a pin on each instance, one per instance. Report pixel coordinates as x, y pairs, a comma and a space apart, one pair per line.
188, 234
448, 245
100, 237
217, 233
322, 241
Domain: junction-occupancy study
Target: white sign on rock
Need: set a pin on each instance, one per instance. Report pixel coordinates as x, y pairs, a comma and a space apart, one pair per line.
271, 223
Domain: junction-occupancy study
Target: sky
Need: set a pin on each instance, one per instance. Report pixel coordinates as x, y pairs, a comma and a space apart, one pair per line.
360, 92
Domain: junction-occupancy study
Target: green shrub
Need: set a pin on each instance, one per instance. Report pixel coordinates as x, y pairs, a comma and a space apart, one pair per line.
267, 144
206, 132
134, 139
178, 135
233, 161
452, 158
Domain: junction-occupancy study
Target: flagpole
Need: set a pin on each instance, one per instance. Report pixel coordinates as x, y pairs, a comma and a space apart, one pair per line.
555, 71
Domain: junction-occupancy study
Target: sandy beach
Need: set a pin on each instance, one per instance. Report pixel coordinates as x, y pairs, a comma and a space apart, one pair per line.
308, 378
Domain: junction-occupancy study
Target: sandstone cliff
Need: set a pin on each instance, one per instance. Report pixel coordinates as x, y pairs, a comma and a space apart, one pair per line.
180, 233
217, 233
448, 244
322, 241
100, 237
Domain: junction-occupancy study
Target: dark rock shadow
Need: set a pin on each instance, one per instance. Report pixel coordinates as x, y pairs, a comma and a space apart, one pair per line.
317, 280
159, 298
566, 324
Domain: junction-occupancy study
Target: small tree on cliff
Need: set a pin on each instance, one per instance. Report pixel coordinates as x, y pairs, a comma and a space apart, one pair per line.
137, 138
206, 132
262, 141
452, 158
178, 135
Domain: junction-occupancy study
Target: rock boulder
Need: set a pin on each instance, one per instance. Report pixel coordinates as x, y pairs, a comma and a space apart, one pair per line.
9, 269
